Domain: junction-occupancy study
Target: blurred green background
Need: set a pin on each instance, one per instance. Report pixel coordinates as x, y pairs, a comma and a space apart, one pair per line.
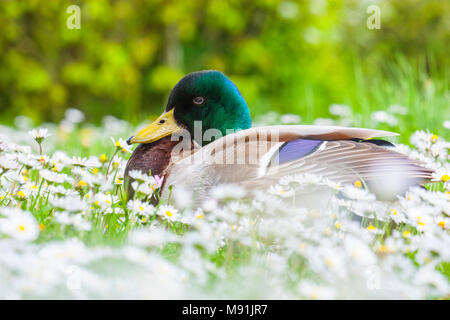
286, 56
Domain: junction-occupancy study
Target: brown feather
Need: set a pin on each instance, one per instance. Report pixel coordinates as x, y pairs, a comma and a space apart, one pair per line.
154, 157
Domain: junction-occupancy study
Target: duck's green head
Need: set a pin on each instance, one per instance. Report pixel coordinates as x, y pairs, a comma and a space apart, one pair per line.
202, 102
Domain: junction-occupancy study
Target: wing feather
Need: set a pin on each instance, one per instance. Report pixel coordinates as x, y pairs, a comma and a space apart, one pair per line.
248, 158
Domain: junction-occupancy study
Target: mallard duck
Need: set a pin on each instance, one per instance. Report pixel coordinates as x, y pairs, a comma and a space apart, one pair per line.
204, 138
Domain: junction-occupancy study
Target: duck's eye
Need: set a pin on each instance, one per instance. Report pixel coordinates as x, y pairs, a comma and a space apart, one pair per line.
199, 100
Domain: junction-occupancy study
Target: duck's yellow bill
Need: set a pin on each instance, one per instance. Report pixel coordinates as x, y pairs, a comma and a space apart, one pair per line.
162, 127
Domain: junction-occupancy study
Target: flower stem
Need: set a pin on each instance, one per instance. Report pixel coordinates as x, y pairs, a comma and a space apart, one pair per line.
109, 163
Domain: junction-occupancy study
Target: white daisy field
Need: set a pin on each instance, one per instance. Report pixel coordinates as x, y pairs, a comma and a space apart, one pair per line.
68, 230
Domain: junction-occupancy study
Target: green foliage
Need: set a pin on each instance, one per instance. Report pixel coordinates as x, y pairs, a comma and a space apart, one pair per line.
288, 56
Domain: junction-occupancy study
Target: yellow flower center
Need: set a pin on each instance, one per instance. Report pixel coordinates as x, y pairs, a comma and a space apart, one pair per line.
168, 213
382, 249
22, 228
329, 263
337, 225
103, 158
358, 184
82, 183
406, 234
371, 227
394, 212
441, 224
434, 138
445, 178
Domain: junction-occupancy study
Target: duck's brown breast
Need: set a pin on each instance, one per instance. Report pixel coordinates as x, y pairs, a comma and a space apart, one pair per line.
151, 157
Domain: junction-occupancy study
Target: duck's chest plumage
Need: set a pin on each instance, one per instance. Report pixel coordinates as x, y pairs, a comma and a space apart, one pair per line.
158, 158
152, 157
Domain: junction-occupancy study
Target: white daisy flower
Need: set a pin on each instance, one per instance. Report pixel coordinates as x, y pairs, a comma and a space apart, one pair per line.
340, 110
8, 162
359, 251
74, 115
70, 203
39, 134
29, 161
3, 145
168, 212
384, 117
227, 191
313, 291
20, 225
55, 177
141, 208
422, 140
75, 220
281, 191
121, 145
92, 162
60, 191
138, 175
290, 118
442, 174
105, 201
355, 193
396, 108
153, 237
420, 217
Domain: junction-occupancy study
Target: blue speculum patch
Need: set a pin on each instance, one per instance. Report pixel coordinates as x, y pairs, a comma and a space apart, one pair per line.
297, 149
